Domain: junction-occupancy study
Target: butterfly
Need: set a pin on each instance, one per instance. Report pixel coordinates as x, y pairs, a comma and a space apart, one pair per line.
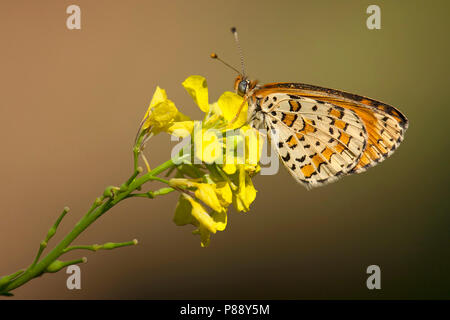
321, 134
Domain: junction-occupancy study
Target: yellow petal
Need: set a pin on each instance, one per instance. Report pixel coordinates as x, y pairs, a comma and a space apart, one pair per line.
161, 116
229, 168
224, 193
250, 191
197, 87
181, 129
246, 193
159, 96
207, 145
200, 214
253, 145
207, 193
221, 220
229, 104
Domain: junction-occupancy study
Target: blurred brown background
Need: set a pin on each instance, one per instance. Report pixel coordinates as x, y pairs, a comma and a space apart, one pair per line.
71, 102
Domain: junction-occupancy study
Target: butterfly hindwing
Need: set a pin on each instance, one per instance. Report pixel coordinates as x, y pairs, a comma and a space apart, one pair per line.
318, 142
341, 133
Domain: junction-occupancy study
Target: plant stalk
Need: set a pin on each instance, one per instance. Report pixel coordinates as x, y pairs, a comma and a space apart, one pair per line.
38, 268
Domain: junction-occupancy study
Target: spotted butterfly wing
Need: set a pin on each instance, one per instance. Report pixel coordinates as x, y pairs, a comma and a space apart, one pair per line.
322, 134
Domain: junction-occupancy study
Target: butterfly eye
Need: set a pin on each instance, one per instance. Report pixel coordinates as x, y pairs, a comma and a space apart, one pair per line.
242, 87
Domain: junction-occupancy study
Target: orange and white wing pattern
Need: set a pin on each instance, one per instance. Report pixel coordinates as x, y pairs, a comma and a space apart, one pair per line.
322, 134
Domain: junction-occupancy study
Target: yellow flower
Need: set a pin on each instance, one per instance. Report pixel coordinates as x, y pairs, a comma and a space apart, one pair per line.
229, 151
217, 198
246, 193
200, 214
189, 211
161, 113
197, 87
208, 194
224, 193
220, 224
159, 96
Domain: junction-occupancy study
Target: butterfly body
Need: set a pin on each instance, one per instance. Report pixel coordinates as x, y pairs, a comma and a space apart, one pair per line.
322, 134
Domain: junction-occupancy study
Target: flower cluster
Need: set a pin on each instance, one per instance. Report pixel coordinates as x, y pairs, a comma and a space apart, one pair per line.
219, 162
211, 173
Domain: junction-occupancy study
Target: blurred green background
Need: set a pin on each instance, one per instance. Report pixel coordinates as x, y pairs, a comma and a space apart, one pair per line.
71, 102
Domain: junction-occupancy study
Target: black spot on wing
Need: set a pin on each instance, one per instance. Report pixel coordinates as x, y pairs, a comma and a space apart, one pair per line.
287, 157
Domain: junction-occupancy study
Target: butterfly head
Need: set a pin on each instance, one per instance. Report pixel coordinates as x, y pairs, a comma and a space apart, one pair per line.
242, 85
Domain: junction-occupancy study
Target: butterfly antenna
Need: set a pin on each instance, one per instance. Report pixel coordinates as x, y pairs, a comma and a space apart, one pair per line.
234, 31
215, 56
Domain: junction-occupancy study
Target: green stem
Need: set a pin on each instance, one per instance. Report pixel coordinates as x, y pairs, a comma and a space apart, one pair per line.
37, 269
105, 246
57, 265
135, 174
6, 279
159, 179
51, 232
152, 194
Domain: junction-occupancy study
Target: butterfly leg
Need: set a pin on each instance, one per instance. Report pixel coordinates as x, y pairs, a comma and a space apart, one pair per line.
249, 94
